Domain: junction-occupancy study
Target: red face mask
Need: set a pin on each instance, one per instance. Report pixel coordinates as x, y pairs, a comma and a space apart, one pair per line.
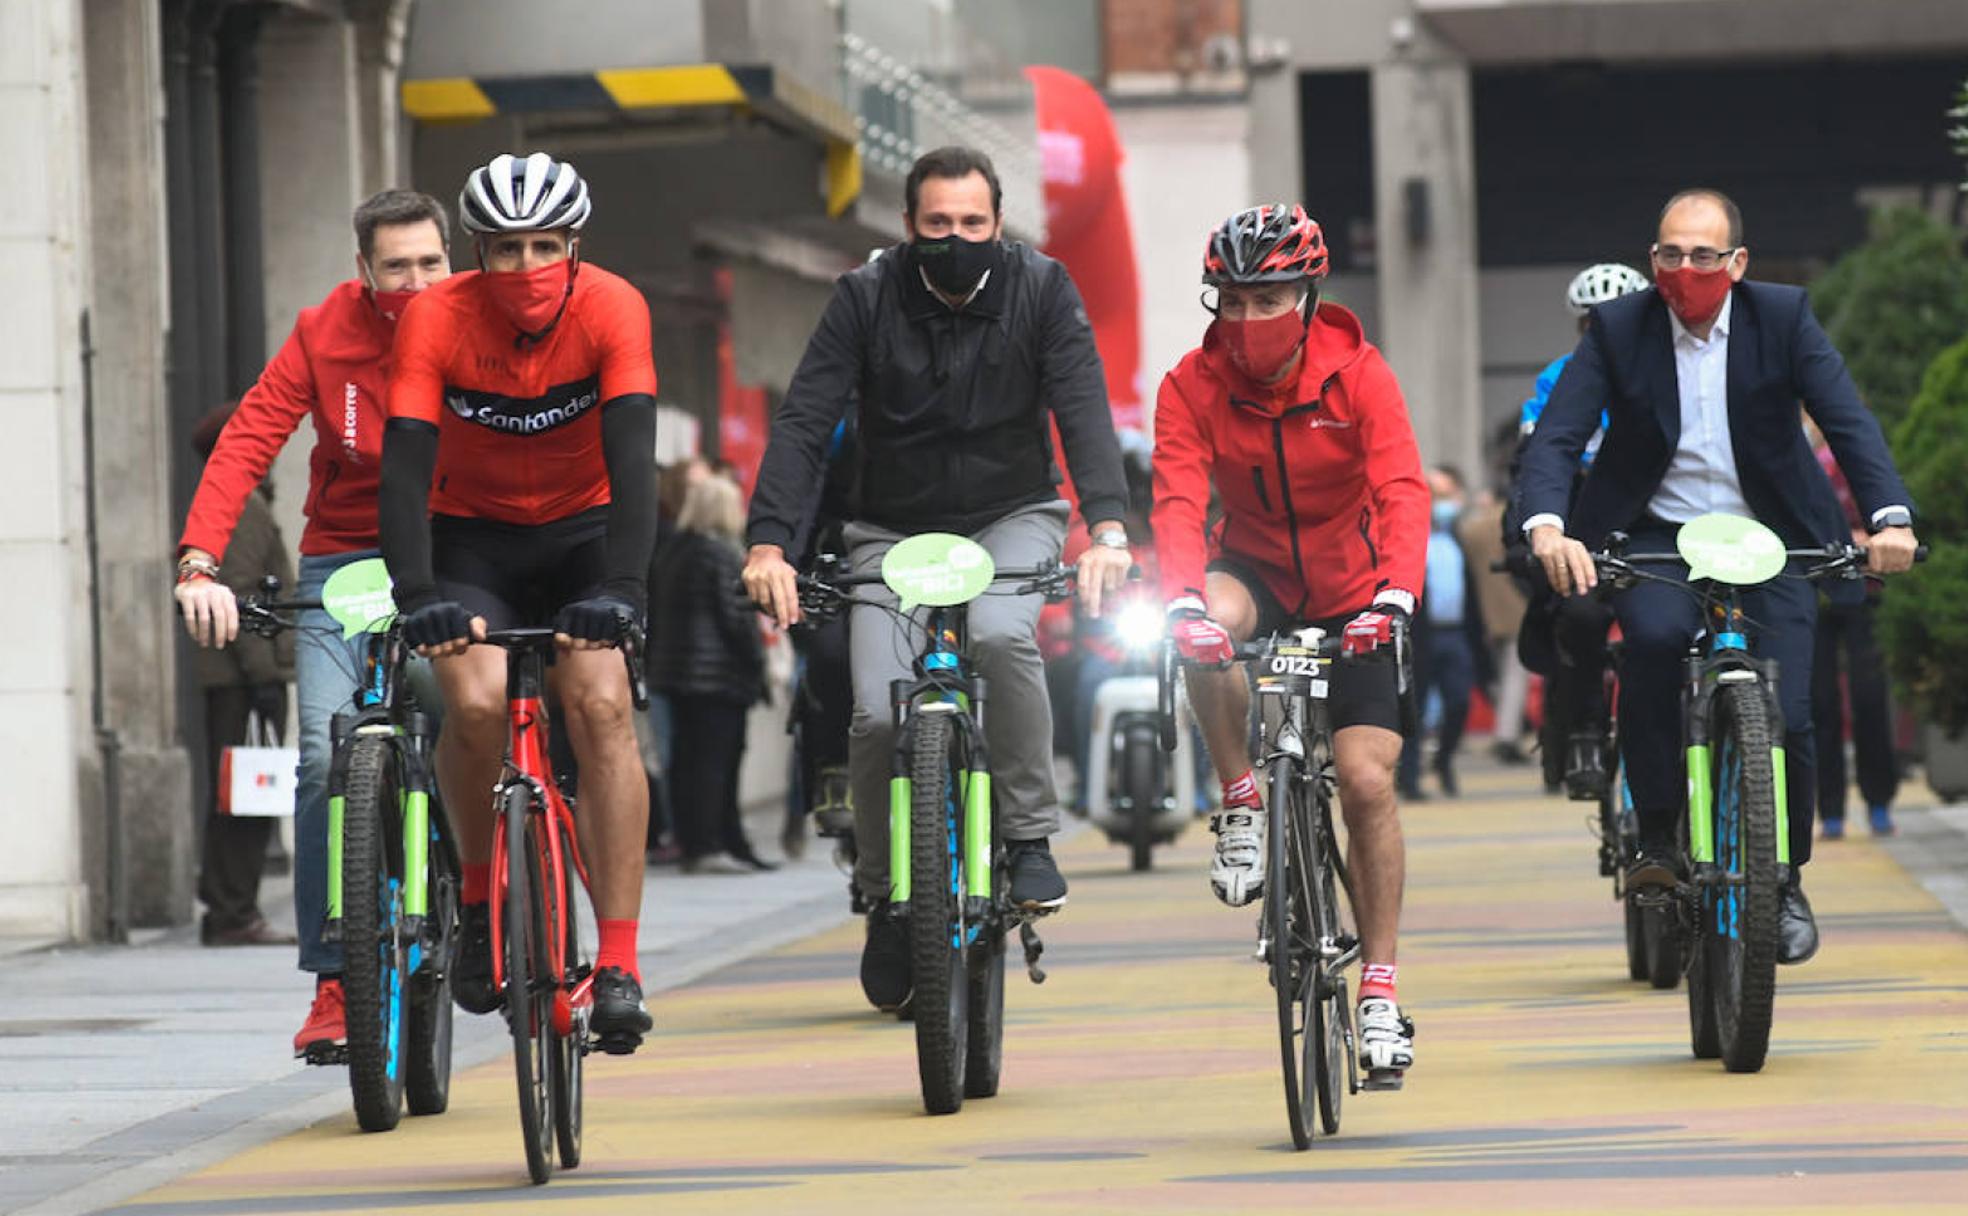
1694, 295
391, 303
532, 299
1262, 348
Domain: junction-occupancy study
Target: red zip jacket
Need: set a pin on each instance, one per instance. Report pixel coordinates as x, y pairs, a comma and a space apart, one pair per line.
334, 365
1319, 479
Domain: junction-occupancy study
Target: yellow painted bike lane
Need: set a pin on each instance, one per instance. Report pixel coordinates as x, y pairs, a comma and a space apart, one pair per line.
1143, 1075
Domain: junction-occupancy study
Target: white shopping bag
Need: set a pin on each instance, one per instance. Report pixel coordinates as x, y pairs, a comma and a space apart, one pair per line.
257, 780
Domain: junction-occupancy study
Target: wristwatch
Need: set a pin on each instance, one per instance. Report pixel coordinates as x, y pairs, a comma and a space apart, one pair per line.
1111, 538
1892, 517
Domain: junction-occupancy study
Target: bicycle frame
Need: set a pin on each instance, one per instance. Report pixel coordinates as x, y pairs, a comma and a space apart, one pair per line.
943, 685
1726, 661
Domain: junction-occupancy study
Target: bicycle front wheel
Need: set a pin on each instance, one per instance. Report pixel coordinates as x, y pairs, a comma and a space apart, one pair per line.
1328, 1017
569, 1051
528, 1016
1289, 949
937, 933
372, 931
1740, 919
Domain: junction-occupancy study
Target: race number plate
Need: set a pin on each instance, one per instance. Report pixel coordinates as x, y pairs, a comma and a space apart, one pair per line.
1292, 671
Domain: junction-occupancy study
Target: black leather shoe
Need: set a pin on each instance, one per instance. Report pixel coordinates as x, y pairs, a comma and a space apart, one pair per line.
1585, 766
1653, 867
471, 961
620, 1018
1035, 878
1797, 929
1446, 774
885, 973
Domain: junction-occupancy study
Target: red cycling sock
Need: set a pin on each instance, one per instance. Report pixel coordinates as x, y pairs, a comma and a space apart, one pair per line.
1377, 979
618, 947
477, 888
1242, 792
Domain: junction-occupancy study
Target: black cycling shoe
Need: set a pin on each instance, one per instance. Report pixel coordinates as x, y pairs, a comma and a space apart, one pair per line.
1654, 866
1035, 878
1585, 766
620, 1019
471, 961
886, 978
1797, 929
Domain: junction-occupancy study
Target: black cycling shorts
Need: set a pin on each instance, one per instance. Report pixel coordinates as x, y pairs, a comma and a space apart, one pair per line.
519, 575
1365, 691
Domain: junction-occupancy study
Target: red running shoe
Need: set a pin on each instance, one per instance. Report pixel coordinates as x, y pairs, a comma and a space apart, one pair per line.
326, 1028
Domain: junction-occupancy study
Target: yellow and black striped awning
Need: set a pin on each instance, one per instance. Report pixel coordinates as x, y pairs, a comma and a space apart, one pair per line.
762, 89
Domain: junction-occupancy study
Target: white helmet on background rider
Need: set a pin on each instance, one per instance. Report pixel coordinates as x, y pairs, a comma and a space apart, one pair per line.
1598, 284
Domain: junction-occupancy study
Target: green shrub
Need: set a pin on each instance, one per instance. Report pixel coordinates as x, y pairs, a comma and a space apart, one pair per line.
1893, 303
1926, 611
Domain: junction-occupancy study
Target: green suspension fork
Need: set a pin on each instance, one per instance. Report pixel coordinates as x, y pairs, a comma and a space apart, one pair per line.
1701, 804
900, 796
977, 827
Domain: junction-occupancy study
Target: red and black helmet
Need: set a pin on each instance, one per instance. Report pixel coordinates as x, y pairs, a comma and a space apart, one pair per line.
1274, 244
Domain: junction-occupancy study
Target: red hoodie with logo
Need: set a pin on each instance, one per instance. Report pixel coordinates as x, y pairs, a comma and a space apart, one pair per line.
1318, 477
335, 366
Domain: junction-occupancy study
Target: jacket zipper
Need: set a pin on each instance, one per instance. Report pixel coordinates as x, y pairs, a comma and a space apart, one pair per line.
1257, 479
1284, 499
1366, 536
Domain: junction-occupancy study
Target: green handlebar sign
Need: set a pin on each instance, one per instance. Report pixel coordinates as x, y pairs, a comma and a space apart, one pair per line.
937, 568
358, 597
1730, 549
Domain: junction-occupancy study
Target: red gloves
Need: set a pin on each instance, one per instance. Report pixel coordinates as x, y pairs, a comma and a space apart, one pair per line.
1371, 630
1198, 638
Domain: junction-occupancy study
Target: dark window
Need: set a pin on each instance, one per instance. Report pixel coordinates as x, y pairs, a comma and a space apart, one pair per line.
1336, 133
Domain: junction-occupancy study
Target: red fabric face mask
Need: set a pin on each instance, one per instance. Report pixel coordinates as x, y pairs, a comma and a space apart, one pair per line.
532, 299
1261, 349
1694, 295
391, 303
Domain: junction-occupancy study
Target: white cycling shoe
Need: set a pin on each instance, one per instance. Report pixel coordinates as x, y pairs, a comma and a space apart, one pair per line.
1386, 1043
1237, 869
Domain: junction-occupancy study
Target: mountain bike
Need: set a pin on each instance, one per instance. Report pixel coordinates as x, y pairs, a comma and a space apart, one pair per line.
1723, 918
392, 864
947, 869
1302, 934
540, 962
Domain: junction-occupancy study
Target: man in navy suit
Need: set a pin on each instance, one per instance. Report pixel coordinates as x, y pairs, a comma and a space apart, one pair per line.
1700, 379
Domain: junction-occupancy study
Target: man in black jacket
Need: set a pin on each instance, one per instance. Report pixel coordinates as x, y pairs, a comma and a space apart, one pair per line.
1699, 379
957, 351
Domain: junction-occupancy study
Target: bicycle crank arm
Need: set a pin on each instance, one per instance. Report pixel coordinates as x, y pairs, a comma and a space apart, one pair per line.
1028, 937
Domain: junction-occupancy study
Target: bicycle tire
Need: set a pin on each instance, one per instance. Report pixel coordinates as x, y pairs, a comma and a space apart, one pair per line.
1637, 967
1326, 1022
524, 933
1616, 856
1290, 978
373, 977
936, 928
1141, 781
1662, 947
1743, 935
427, 1083
1704, 1040
984, 1048
569, 1052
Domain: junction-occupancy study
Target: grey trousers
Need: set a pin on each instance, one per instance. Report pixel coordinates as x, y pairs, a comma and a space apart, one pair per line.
1004, 646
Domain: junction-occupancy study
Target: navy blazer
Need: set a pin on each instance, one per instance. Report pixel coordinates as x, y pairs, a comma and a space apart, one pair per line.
1779, 356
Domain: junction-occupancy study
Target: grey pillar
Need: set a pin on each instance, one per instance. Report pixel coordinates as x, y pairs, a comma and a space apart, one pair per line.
1425, 219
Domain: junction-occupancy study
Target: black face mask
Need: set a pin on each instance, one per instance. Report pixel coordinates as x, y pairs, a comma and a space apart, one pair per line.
953, 264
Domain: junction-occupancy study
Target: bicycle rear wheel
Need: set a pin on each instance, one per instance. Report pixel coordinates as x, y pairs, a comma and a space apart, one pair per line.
937, 932
528, 1017
427, 1087
1741, 926
372, 931
569, 1050
985, 1047
1289, 951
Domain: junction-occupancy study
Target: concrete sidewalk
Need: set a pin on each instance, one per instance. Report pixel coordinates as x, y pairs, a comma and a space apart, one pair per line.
124, 1066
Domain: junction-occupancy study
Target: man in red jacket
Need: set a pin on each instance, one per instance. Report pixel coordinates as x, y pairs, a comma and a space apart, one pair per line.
335, 367
1294, 418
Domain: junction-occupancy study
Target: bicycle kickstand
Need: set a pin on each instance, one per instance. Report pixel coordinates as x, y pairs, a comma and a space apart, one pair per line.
1028, 937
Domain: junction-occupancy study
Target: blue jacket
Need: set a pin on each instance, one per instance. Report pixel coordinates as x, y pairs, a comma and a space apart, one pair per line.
1778, 356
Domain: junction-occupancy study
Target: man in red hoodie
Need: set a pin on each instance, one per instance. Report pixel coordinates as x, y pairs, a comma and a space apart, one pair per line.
334, 367
1294, 418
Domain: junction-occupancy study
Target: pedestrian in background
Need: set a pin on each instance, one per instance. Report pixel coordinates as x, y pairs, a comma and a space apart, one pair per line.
707, 658
1450, 652
1501, 604
1847, 631
245, 703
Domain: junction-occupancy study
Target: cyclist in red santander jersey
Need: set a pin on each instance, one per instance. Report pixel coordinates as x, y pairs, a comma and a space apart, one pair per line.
1294, 418
519, 489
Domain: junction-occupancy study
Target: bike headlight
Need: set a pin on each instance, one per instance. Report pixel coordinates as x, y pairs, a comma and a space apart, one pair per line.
1139, 627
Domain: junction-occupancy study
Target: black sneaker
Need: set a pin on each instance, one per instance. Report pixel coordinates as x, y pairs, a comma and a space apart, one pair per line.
1035, 878
471, 961
886, 979
620, 1019
1654, 866
1585, 766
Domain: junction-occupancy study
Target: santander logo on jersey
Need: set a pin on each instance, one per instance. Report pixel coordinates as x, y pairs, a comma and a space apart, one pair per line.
558, 406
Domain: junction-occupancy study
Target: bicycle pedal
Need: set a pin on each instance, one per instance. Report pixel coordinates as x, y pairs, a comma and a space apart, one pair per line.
1383, 1080
618, 1043
326, 1054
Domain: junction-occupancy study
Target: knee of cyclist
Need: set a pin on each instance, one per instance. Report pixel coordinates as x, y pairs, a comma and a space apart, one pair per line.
476, 716
1363, 783
597, 711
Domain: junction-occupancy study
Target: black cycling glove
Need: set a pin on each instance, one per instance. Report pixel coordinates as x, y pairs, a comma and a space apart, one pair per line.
602, 618
437, 623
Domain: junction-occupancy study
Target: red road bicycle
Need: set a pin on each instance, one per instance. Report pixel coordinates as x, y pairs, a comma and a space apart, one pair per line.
540, 963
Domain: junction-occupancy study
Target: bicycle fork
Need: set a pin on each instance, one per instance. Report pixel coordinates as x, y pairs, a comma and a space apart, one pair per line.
416, 828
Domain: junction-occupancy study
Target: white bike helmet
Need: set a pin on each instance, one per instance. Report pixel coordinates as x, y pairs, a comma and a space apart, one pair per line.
537, 194
1598, 284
